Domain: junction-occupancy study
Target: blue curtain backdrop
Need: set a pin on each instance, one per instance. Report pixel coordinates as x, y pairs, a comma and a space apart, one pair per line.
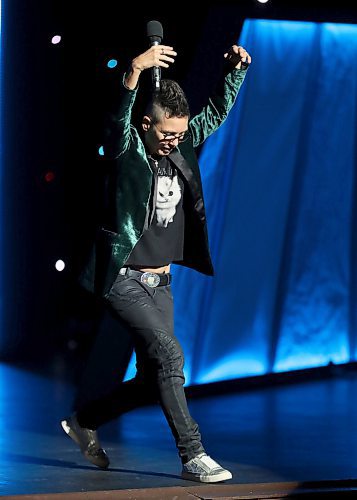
279, 184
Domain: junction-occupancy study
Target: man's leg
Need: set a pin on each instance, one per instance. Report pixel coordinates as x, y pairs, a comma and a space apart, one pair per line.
149, 315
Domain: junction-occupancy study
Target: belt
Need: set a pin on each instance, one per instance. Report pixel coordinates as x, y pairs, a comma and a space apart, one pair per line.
148, 278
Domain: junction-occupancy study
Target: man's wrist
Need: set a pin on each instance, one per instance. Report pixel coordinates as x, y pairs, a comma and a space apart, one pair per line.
136, 69
131, 79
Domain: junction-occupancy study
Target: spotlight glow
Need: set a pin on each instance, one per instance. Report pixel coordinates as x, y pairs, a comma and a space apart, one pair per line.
263, 1
112, 63
101, 151
56, 39
49, 176
60, 265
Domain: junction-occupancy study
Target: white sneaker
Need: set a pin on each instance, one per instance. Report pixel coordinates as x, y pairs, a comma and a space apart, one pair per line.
204, 469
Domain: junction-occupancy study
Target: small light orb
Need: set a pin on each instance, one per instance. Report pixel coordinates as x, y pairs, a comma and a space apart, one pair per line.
60, 265
112, 63
56, 39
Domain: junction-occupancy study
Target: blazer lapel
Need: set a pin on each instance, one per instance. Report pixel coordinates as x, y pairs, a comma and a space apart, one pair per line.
179, 161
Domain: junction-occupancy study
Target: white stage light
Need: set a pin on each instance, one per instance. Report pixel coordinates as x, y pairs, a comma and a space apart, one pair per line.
56, 39
60, 265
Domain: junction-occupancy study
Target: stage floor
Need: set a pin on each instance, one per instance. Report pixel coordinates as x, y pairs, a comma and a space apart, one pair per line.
283, 434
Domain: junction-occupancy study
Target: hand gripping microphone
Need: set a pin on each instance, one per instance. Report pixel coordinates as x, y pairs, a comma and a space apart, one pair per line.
155, 33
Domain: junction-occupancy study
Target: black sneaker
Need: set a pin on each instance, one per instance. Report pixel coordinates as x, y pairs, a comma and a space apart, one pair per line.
87, 440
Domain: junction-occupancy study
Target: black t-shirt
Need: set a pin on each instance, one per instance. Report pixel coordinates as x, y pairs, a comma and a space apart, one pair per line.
162, 242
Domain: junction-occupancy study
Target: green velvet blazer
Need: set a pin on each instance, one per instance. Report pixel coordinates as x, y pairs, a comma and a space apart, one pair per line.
132, 184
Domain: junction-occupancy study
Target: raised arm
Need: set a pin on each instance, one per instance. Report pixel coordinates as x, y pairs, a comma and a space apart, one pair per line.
118, 132
222, 100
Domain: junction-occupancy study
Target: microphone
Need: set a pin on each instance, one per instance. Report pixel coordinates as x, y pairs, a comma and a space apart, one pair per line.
155, 33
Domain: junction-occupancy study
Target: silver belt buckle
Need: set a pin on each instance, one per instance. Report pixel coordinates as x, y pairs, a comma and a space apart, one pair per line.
150, 279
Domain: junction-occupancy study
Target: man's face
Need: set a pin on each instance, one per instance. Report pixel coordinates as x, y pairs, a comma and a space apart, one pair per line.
162, 137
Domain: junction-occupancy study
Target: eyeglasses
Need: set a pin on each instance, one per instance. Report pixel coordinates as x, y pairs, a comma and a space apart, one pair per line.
169, 136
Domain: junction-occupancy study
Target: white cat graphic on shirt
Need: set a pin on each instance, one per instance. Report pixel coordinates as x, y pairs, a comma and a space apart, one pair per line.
168, 196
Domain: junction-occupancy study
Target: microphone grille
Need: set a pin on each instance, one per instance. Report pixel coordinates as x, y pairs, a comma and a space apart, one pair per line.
154, 30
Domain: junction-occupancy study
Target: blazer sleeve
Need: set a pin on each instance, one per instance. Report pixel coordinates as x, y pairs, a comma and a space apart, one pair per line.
117, 130
219, 104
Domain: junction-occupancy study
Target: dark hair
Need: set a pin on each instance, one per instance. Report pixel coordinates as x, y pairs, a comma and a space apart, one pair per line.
170, 101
